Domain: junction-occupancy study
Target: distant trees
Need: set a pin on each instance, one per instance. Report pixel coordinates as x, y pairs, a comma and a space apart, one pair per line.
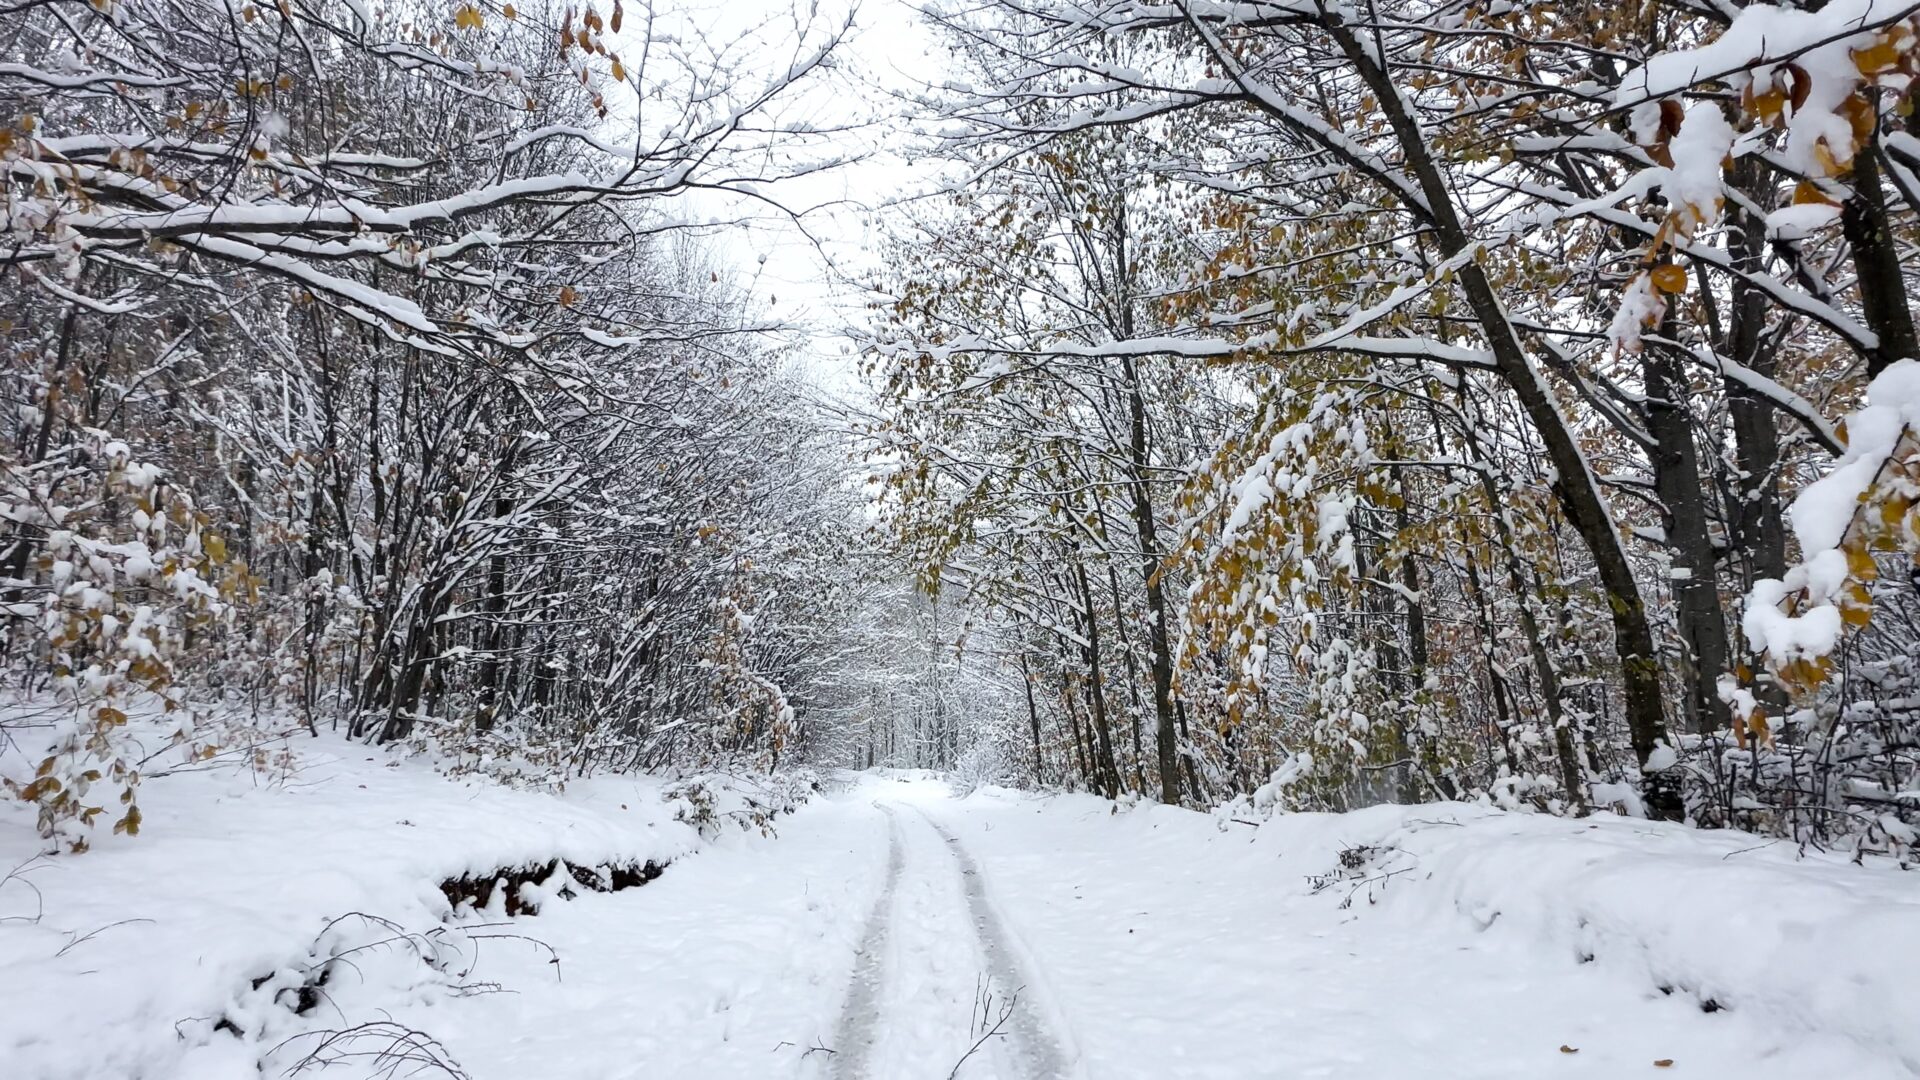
1480, 348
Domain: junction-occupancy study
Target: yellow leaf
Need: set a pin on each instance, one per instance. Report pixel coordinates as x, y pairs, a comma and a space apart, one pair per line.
1823, 154
33, 792
1876, 58
1859, 111
1670, 278
1860, 563
1806, 193
468, 18
509, 12
215, 547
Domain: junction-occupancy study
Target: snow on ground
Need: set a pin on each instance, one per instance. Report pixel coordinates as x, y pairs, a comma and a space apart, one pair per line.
1174, 945
120, 962
889, 926
734, 964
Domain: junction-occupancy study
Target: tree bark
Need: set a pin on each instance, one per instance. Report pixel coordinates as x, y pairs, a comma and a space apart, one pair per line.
1756, 523
1876, 265
1033, 719
1107, 768
1694, 574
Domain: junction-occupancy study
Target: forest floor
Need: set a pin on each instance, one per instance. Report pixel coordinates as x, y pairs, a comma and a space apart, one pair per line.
890, 930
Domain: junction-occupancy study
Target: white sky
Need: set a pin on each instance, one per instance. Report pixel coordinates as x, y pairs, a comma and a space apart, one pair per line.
889, 52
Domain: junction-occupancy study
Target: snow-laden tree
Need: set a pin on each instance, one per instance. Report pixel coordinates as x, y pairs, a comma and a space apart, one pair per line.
1529, 314
365, 373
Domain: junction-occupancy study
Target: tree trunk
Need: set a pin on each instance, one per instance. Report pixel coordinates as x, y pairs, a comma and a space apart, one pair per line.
1133, 681
1876, 263
1108, 769
1757, 525
1165, 736
1694, 574
1033, 719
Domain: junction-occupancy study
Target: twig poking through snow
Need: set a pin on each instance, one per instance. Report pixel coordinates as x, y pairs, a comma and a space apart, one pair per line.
91, 934
386, 1045
983, 997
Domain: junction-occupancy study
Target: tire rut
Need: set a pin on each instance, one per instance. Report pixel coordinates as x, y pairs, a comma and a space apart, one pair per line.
854, 1037
1037, 1049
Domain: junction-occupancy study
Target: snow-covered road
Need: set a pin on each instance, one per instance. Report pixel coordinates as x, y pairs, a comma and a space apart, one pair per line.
890, 925
937, 952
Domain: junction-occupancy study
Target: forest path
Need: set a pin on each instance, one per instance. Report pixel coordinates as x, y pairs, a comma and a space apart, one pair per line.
941, 987
1138, 944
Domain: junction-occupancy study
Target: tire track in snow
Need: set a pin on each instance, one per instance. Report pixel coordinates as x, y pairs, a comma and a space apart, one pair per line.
1038, 1050
855, 1036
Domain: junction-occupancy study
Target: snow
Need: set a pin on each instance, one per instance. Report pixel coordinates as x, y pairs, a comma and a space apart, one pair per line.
1704, 142
1761, 34
1754, 51
1822, 511
888, 925
705, 973
234, 875
1640, 308
1820, 516
1800, 221
1176, 945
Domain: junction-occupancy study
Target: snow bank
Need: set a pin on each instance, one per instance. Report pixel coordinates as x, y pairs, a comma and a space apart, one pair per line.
122, 961
1729, 919
1722, 920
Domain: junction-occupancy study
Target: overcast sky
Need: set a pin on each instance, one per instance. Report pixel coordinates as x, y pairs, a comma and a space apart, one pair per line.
793, 266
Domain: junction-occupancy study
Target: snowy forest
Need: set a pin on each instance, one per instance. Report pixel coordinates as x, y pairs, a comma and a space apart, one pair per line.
1282, 410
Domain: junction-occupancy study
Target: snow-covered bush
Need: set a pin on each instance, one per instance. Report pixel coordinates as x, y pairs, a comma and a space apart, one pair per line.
108, 604
712, 802
980, 765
